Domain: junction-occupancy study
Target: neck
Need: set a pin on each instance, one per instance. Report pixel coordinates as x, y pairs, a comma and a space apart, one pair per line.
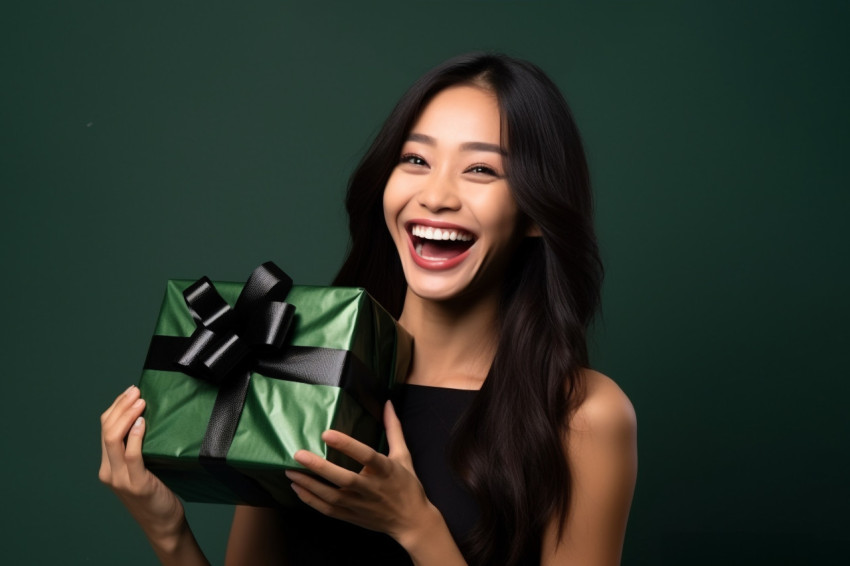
454, 342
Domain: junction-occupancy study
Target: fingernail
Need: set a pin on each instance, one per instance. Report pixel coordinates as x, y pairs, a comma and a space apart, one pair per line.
139, 402
129, 389
138, 422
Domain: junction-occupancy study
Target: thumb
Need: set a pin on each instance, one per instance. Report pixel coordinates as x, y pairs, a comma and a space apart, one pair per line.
395, 437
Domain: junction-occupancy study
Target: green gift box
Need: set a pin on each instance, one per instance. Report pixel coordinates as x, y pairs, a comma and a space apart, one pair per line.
239, 377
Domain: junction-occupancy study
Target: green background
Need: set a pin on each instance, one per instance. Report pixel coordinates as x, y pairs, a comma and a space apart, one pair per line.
147, 141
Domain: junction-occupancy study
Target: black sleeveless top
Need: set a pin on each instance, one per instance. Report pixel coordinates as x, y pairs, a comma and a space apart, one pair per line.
428, 416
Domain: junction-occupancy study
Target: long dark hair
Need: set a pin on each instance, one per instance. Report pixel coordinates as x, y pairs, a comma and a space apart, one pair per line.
508, 449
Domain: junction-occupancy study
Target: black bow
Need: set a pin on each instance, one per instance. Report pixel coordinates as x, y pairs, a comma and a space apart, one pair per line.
228, 340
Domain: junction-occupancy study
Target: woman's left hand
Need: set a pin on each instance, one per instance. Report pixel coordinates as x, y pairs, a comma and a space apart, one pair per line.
385, 496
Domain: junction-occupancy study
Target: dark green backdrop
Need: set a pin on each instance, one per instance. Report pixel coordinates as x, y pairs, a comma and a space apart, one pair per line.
144, 141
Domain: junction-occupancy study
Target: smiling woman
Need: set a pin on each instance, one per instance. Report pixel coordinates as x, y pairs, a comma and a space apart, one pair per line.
471, 221
547, 447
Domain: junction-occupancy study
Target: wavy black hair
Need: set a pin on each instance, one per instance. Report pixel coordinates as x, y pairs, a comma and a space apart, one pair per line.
508, 449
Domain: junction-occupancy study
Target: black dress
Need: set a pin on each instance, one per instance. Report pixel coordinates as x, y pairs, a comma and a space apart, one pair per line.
427, 415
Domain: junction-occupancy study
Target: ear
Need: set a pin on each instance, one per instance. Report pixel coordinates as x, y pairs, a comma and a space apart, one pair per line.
533, 230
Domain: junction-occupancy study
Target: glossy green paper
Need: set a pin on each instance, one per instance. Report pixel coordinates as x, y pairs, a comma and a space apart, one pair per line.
279, 417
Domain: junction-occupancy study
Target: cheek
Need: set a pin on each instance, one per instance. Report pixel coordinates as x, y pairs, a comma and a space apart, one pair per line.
394, 200
499, 214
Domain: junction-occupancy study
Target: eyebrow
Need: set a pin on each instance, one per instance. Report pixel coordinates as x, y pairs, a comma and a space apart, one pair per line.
466, 146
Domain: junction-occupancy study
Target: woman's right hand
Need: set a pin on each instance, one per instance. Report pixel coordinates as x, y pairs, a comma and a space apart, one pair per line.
150, 502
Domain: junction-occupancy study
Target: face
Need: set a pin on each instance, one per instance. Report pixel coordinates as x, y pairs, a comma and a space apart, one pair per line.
447, 204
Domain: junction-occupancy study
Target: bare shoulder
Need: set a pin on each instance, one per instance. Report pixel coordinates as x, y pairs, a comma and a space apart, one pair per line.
606, 410
600, 440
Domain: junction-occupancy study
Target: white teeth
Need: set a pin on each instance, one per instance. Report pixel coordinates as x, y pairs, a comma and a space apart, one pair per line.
430, 233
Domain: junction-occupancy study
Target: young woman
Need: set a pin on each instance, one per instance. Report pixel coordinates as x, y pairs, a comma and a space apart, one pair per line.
471, 221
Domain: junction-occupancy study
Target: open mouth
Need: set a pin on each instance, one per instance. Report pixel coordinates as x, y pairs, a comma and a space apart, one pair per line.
439, 244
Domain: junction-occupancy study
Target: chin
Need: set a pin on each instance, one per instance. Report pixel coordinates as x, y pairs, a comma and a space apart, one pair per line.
436, 294
437, 287
444, 286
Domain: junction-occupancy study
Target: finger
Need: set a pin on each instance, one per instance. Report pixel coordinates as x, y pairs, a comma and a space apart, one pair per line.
335, 474
115, 403
133, 453
105, 472
104, 460
357, 450
327, 493
313, 501
108, 419
124, 401
395, 436
116, 430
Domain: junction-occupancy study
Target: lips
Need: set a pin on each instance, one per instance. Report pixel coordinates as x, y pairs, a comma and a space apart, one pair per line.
438, 245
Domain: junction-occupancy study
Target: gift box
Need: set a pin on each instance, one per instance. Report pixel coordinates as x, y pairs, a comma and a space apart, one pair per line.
239, 377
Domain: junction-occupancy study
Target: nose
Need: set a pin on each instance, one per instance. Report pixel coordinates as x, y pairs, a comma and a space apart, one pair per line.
439, 193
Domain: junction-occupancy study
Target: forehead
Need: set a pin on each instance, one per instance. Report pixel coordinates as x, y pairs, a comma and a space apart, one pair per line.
461, 114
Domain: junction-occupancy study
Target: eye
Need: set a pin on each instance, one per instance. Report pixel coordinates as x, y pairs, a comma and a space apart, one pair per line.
481, 169
413, 159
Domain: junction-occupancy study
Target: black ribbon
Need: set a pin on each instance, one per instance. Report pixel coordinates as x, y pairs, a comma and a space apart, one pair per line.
231, 343
229, 339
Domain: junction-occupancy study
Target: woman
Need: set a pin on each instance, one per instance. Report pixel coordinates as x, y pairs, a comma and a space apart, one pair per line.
471, 221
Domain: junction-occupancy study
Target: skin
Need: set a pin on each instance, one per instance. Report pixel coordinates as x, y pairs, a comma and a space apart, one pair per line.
451, 170
154, 506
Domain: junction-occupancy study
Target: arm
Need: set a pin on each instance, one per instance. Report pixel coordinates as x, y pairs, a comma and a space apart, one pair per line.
601, 444
150, 502
256, 537
385, 496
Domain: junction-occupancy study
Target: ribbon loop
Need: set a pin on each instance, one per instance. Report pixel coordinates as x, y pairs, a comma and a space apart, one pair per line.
205, 304
267, 283
270, 325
